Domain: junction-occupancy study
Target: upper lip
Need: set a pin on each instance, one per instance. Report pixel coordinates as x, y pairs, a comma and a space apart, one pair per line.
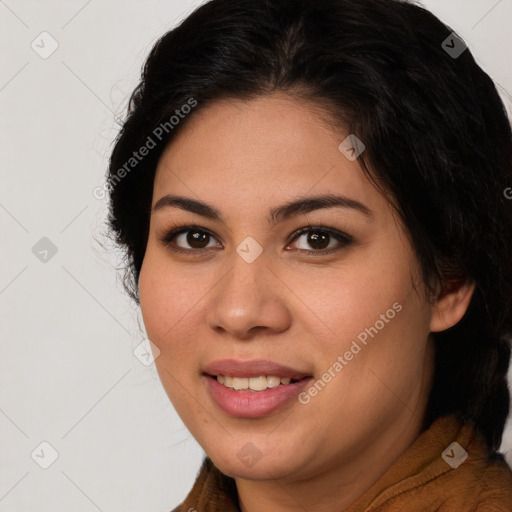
253, 368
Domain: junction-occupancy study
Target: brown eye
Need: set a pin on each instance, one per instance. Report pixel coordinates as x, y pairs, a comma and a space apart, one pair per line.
321, 240
189, 239
197, 239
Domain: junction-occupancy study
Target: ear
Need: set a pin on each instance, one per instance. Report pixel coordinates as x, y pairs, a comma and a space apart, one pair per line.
451, 305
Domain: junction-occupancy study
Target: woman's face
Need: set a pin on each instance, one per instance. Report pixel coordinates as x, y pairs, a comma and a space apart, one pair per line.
336, 306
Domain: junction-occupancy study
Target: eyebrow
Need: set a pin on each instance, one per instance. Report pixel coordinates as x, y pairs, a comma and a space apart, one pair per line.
279, 214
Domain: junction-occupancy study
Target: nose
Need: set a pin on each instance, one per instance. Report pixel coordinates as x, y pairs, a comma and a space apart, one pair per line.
249, 301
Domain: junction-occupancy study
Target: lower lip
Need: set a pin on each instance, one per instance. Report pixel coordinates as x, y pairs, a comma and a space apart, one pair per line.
244, 404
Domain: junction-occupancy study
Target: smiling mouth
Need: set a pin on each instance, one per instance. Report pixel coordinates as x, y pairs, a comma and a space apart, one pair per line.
252, 392
254, 384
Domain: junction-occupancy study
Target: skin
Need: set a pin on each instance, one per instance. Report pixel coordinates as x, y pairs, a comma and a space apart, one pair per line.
299, 308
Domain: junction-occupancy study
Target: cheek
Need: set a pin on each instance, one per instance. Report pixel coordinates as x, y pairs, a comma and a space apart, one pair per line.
166, 299
166, 295
167, 302
381, 331
344, 302
378, 324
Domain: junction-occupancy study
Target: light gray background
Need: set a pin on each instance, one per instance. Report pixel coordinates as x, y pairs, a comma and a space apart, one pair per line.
68, 375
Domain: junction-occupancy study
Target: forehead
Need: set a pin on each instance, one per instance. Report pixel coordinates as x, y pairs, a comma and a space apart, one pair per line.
258, 152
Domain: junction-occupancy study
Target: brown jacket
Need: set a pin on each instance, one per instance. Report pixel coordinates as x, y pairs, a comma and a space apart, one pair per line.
423, 479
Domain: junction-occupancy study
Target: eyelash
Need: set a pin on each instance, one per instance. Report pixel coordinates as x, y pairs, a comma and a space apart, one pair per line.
344, 239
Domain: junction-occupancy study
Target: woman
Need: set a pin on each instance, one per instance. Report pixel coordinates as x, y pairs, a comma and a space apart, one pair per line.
311, 200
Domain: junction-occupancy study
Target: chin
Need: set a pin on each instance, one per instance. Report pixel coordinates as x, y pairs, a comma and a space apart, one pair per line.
250, 465
260, 471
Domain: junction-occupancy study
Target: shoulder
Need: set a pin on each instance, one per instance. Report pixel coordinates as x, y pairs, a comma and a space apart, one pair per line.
495, 486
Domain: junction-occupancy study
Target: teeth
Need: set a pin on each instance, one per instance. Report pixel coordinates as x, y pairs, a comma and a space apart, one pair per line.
273, 382
253, 383
258, 383
240, 382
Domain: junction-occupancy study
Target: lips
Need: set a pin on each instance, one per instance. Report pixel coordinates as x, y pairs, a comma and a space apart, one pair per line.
254, 368
247, 403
